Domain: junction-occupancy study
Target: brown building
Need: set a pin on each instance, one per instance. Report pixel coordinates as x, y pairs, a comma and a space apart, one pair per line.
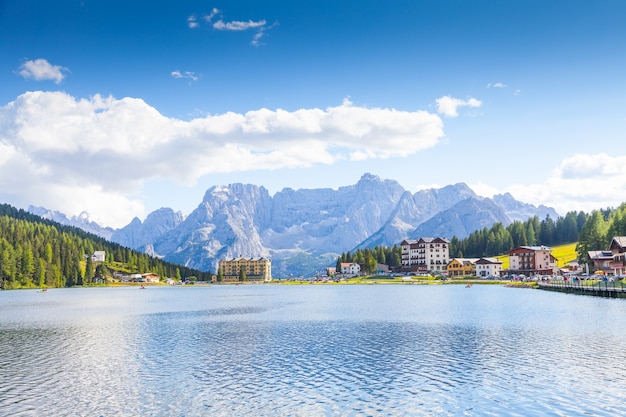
256, 269
612, 261
532, 260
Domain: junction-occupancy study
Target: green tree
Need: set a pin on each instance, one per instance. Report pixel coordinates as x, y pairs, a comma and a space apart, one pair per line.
89, 270
242, 274
593, 236
370, 263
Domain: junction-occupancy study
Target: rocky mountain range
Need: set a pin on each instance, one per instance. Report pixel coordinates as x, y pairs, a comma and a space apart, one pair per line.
304, 230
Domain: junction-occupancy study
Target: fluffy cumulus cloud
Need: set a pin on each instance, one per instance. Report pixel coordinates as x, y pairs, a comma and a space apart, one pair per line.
41, 70
95, 154
448, 106
579, 182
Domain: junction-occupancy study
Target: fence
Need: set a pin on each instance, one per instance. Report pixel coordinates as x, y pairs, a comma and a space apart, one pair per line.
611, 289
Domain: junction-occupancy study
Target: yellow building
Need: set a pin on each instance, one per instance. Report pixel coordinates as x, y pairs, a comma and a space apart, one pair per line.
256, 269
460, 267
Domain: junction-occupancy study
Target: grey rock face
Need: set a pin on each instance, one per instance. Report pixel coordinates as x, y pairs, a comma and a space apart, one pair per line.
305, 230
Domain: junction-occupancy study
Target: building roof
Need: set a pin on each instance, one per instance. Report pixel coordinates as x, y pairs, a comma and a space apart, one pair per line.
433, 240
489, 261
425, 240
529, 248
600, 255
246, 259
619, 240
464, 261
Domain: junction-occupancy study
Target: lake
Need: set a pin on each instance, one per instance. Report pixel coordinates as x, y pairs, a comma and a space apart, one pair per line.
311, 350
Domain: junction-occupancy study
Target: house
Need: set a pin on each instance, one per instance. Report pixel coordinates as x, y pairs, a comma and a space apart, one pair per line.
460, 267
425, 254
612, 261
601, 260
150, 277
256, 269
98, 256
331, 271
488, 267
350, 268
532, 260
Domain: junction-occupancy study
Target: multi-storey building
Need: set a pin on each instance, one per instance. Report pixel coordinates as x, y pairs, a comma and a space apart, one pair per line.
530, 260
256, 269
426, 254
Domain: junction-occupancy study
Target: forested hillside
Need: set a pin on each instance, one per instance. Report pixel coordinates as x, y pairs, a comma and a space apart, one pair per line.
590, 231
499, 239
35, 252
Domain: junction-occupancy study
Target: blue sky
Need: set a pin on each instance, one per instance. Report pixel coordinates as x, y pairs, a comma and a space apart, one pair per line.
119, 108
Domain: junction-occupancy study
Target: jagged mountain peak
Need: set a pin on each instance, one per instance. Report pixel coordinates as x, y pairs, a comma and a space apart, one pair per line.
305, 229
522, 211
82, 221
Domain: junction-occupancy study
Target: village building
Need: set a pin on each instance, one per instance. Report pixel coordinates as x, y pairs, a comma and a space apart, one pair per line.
532, 260
488, 267
256, 269
461, 267
426, 254
98, 256
612, 261
150, 277
350, 268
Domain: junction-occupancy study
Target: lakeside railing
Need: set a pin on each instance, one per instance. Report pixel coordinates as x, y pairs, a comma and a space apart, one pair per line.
590, 287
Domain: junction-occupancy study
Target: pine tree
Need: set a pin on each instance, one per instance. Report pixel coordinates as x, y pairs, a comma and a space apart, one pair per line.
89, 270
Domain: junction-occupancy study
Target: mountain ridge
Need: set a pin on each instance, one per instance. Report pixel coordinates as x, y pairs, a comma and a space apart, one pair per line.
304, 230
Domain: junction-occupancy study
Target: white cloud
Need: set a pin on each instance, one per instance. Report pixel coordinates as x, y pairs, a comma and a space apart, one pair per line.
186, 74
41, 70
238, 25
484, 190
192, 21
260, 26
579, 182
448, 106
496, 85
95, 154
211, 15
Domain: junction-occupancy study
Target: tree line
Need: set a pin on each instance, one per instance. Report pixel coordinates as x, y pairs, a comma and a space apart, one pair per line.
36, 252
370, 258
590, 231
499, 239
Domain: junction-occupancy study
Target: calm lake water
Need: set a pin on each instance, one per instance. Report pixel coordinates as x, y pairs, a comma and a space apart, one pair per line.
311, 350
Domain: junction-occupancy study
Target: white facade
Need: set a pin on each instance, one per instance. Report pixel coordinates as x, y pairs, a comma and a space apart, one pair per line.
348, 268
426, 254
488, 267
98, 256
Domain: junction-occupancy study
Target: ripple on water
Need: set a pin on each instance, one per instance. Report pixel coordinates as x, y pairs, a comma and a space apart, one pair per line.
266, 356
